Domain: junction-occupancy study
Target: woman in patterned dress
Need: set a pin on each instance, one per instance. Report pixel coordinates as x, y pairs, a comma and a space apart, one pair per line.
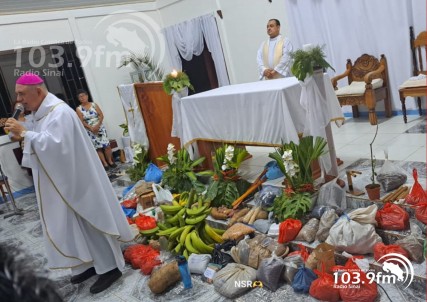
91, 116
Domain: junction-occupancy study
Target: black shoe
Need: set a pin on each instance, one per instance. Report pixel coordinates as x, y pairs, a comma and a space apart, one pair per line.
113, 165
106, 168
105, 280
83, 276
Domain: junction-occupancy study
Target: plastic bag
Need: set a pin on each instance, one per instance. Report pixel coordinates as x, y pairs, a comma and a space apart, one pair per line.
292, 262
237, 231
303, 279
273, 171
128, 212
391, 176
392, 217
289, 229
323, 288
325, 255
413, 247
353, 237
417, 193
197, 263
365, 215
302, 252
318, 211
153, 174
269, 272
380, 249
219, 256
331, 194
326, 222
308, 231
226, 279
266, 196
162, 194
260, 247
421, 212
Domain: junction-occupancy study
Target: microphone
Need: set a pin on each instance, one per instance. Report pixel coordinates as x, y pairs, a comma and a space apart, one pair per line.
18, 110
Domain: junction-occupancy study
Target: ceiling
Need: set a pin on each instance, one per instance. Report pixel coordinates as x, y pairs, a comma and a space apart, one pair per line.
30, 6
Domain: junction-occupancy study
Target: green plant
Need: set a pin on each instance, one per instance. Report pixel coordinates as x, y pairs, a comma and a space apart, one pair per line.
305, 61
292, 205
140, 163
294, 160
373, 160
125, 128
176, 80
226, 185
179, 175
143, 62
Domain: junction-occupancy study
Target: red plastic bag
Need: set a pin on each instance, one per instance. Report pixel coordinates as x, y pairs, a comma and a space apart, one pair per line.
143, 257
130, 203
144, 222
417, 193
323, 288
380, 249
289, 229
421, 212
302, 252
392, 217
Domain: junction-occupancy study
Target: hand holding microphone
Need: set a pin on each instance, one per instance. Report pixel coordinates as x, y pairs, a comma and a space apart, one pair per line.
12, 126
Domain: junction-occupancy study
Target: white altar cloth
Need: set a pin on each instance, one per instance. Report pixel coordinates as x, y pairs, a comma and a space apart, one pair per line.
258, 113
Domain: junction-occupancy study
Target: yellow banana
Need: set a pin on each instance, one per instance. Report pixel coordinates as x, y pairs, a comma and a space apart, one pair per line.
204, 236
175, 203
211, 233
199, 244
184, 234
189, 246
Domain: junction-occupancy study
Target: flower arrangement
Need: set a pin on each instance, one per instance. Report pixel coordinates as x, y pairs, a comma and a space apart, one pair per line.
140, 163
226, 185
294, 161
304, 61
176, 80
179, 175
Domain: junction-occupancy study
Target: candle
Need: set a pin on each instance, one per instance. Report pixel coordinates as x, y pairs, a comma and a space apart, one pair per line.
174, 73
307, 47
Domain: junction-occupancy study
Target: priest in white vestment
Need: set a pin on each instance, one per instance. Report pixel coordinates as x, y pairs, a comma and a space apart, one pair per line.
81, 217
273, 55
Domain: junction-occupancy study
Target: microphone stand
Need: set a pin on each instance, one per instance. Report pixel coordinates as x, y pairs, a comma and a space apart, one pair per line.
16, 211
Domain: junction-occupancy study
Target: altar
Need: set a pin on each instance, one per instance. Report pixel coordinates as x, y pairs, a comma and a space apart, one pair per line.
264, 113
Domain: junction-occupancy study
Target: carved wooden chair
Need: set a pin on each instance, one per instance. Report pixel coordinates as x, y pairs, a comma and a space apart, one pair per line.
415, 86
367, 84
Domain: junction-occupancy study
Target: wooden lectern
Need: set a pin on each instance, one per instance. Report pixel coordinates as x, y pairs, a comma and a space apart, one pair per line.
156, 108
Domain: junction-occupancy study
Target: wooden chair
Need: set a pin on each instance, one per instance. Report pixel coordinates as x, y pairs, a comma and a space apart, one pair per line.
368, 84
414, 86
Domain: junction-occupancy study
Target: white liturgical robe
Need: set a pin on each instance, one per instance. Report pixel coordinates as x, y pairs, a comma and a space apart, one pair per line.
75, 197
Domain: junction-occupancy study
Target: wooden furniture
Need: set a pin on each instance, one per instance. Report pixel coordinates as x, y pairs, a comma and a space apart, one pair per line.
156, 109
368, 84
411, 87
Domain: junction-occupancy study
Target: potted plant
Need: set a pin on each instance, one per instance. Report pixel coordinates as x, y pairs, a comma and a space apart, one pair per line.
176, 81
140, 163
306, 60
373, 189
179, 175
145, 67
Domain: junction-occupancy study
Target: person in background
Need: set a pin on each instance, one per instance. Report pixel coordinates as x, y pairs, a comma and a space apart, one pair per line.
20, 281
82, 220
273, 55
91, 116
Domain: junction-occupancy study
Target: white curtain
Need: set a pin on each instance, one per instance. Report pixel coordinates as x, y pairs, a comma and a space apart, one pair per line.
186, 39
351, 28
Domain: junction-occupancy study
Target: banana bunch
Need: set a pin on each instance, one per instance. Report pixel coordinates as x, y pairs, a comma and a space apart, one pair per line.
181, 199
186, 228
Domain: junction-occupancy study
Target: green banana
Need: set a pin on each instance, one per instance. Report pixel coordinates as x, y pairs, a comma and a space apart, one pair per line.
195, 211
166, 232
170, 209
195, 220
205, 237
178, 248
211, 233
184, 234
149, 232
218, 231
199, 244
162, 226
181, 220
176, 233
171, 245
189, 246
185, 254
175, 219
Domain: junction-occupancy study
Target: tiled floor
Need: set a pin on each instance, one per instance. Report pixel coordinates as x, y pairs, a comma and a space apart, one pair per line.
352, 143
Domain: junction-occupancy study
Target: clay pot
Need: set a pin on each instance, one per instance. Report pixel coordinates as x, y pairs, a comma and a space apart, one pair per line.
373, 191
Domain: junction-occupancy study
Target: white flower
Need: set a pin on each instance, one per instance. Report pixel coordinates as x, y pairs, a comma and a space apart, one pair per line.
224, 167
171, 147
287, 155
229, 153
137, 148
171, 158
171, 153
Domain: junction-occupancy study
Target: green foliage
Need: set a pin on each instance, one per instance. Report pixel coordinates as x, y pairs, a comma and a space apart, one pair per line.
177, 83
304, 62
125, 128
140, 163
179, 175
303, 154
294, 205
224, 187
143, 62
373, 160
